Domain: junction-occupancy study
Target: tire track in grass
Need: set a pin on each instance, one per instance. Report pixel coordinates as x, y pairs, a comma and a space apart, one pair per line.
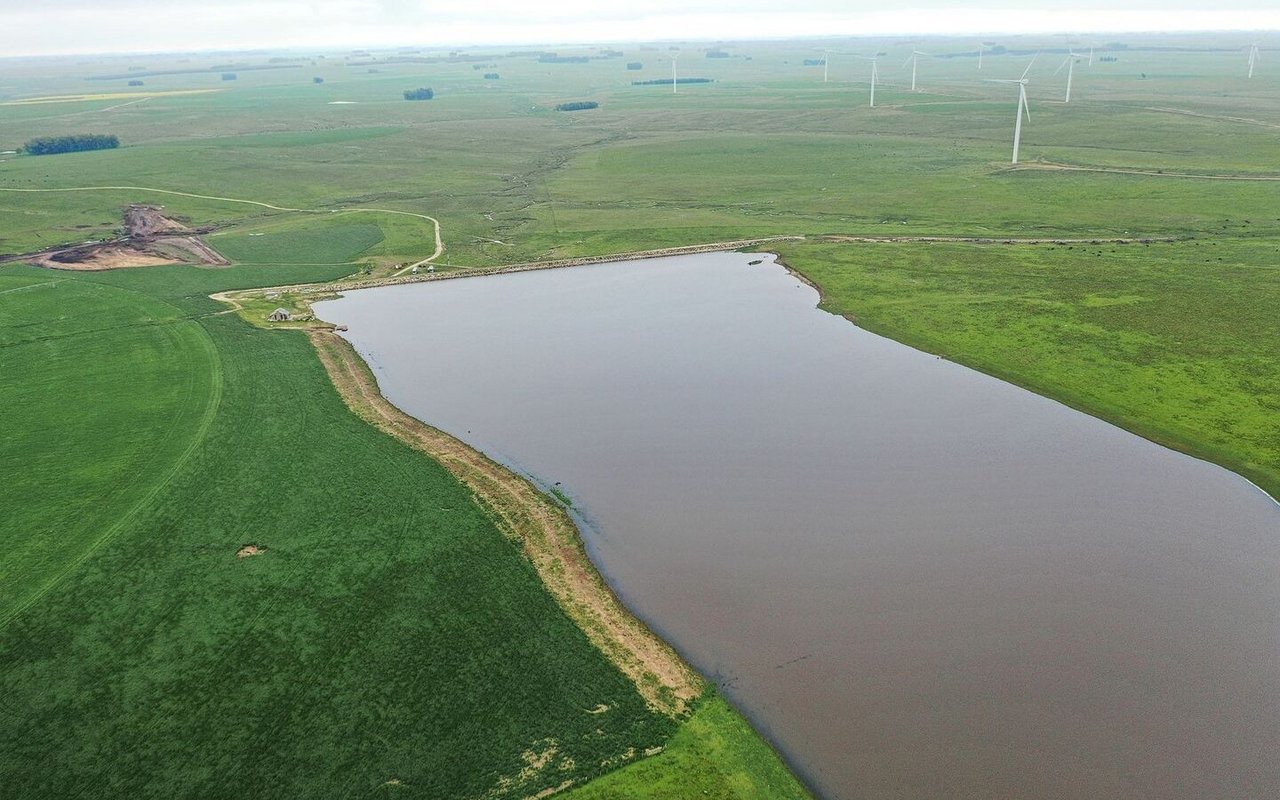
201, 432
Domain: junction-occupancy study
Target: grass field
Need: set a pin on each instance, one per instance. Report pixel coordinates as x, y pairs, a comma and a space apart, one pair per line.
714, 755
113, 383
390, 638
388, 631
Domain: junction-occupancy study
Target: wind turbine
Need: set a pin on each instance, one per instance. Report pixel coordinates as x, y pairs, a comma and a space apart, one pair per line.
981, 46
1022, 108
674, 84
1253, 58
1070, 64
826, 59
875, 73
914, 57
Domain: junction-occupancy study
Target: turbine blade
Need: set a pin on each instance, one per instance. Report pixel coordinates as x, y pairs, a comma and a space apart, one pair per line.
1060, 66
1029, 66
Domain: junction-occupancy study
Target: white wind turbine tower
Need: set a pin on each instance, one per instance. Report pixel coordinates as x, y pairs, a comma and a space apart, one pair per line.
1022, 108
826, 59
1253, 58
875, 73
1070, 64
981, 46
674, 85
915, 56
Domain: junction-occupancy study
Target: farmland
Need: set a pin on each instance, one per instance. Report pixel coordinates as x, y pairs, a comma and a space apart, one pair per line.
386, 632
389, 636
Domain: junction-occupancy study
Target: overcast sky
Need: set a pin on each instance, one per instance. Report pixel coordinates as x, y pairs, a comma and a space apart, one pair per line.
95, 26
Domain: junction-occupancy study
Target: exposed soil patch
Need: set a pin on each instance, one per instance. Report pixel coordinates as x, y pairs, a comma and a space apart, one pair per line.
250, 550
91, 258
150, 239
146, 222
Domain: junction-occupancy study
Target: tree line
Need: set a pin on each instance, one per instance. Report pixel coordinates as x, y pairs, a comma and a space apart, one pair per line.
419, 94
667, 81
51, 145
580, 105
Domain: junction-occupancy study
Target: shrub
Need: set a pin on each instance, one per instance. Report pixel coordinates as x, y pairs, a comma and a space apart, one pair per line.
52, 145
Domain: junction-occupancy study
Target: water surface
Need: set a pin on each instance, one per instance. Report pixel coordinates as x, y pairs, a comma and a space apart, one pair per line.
918, 580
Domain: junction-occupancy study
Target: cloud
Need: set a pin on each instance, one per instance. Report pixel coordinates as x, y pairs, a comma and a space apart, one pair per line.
86, 26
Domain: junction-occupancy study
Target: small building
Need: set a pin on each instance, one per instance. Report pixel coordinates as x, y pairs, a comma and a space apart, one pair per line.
280, 315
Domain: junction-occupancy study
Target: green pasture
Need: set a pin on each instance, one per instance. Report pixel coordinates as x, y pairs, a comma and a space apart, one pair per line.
105, 392
388, 633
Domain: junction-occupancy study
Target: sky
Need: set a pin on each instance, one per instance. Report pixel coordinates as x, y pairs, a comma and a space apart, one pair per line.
115, 26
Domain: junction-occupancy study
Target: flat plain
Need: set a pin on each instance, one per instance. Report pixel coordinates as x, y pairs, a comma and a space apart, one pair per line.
388, 637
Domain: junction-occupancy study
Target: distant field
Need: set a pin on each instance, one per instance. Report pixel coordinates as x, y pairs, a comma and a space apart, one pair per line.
304, 240
389, 639
80, 98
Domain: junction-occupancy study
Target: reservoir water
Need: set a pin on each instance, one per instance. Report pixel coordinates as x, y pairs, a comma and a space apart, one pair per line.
917, 580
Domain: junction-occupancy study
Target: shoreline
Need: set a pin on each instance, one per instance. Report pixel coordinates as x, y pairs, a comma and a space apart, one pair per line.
561, 549
315, 291
547, 534
518, 507
1129, 425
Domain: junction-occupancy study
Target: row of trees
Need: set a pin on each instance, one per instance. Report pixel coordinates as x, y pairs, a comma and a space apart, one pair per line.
51, 145
419, 94
667, 81
580, 105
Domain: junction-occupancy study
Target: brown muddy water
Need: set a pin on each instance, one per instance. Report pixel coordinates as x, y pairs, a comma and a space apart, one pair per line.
917, 580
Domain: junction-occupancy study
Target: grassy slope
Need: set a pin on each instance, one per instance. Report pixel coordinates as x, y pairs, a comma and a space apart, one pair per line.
1179, 343
715, 755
